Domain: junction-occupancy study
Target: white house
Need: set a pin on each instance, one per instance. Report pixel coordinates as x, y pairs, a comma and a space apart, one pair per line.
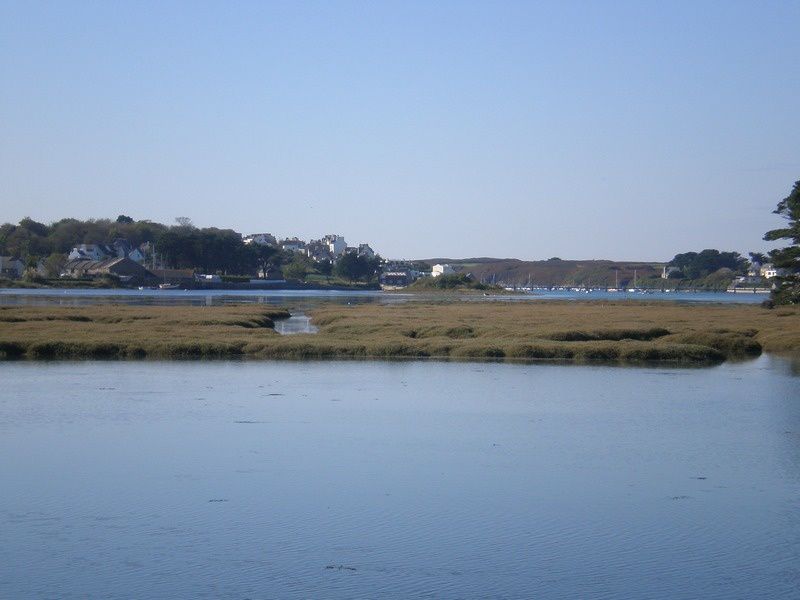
293, 245
336, 244
768, 271
88, 252
119, 249
442, 270
260, 239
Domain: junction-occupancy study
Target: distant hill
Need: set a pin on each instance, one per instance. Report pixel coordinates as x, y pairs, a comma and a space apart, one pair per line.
554, 272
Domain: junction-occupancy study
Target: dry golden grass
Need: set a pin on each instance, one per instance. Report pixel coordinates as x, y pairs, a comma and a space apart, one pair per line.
615, 331
622, 332
133, 331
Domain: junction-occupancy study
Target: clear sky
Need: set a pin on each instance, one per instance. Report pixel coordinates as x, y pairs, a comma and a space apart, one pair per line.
622, 130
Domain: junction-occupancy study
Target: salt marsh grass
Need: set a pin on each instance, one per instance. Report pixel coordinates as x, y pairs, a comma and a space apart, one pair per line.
621, 332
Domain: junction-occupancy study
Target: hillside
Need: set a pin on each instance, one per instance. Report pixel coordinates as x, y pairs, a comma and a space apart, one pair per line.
554, 272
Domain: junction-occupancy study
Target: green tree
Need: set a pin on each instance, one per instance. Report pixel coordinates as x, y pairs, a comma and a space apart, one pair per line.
35, 227
124, 219
787, 290
696, 265
53, 264
354, 267
325, 267
297, 270
265, 258
351, 266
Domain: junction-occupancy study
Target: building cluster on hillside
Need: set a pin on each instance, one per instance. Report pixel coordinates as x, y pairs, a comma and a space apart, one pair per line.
120, 259
331, 247
120, 267
126, 262
129, 263
120, 248
759, 274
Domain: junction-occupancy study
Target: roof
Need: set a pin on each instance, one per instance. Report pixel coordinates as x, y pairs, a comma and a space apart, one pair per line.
84, 265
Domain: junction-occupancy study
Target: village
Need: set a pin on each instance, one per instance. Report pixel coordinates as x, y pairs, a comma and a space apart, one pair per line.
141, 253
122, 263
144, 265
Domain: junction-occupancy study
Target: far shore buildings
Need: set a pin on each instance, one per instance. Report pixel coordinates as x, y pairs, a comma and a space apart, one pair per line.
83, 259
328, 248
121, 267
439, 270
292, 245
400, 273
119, 248
260, 239
336, 245
768, 271
318, 251
88, 252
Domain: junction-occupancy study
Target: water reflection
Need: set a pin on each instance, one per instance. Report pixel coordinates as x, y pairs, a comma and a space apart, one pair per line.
311, 298
297, 323
82, 297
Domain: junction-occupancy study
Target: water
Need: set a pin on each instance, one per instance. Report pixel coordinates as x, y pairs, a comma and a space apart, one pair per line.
398, 480
81, 297
738, 298
295, 324
307, 299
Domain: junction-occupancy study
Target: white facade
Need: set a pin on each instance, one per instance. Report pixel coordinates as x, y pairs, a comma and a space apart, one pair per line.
769, 271
336, 244
442, 270
260, 239
90, 251
293, 245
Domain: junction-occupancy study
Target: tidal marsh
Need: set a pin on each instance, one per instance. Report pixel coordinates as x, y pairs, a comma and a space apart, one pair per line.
620, 332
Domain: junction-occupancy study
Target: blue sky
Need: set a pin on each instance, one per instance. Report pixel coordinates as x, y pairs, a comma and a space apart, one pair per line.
516, 129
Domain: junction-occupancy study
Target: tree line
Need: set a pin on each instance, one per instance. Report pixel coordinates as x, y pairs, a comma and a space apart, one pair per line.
697, 265
179, 246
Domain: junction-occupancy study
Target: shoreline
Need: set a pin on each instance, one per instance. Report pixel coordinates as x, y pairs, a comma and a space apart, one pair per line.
195, 286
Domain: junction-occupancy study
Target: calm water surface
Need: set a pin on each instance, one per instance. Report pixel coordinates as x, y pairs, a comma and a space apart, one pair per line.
398, 480
309, 298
